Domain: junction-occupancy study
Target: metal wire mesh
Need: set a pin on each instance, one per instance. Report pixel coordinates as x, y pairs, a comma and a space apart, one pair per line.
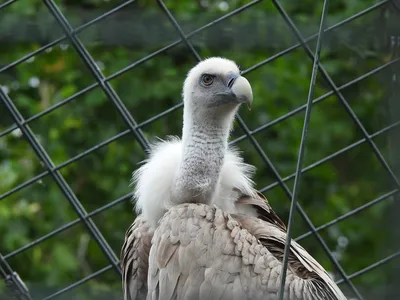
16, 284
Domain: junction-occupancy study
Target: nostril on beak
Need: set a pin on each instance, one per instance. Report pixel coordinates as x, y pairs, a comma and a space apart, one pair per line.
231, 81
231, 78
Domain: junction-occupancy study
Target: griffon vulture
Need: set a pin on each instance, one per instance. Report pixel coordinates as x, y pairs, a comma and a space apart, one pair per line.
203, 231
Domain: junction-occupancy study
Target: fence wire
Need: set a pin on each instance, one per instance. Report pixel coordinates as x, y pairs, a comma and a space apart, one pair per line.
16, 285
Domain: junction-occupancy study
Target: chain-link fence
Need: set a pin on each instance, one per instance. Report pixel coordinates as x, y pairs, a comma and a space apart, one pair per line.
383, 19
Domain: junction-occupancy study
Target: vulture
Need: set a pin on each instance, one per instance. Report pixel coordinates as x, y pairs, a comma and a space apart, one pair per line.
203, 231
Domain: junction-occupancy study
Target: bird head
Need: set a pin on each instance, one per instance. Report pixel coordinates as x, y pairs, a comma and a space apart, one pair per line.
214, 87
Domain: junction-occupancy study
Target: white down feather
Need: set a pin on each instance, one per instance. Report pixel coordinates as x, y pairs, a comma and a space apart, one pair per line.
154, 179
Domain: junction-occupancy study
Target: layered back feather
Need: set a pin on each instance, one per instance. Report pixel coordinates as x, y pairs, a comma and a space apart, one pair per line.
200, 252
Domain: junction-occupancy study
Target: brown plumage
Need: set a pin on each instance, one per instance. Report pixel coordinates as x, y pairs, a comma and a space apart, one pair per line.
135, 259
200, 252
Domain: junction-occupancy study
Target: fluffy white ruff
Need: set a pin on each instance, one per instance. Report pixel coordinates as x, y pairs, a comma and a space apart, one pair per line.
154, 180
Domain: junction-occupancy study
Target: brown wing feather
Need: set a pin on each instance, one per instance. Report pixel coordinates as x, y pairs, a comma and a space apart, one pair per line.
264, 210
269, 229
200, 252
135, 259
186, 251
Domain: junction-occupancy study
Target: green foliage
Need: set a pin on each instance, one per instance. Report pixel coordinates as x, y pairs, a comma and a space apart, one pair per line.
333, 188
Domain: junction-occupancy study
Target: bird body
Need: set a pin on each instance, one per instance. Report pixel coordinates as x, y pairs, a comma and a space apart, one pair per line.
213, 236
201, 252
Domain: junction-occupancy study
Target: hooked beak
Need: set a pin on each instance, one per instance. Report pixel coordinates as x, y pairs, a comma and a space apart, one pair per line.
241, 88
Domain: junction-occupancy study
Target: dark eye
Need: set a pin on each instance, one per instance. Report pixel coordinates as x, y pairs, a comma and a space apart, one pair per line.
207, 79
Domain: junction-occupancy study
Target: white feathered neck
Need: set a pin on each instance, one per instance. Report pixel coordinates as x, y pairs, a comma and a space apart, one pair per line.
154, 179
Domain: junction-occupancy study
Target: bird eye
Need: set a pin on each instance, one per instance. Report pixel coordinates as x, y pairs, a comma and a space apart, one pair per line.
207, 79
